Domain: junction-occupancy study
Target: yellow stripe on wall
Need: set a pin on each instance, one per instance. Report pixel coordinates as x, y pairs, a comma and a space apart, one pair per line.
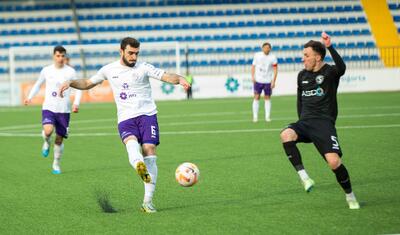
384, 31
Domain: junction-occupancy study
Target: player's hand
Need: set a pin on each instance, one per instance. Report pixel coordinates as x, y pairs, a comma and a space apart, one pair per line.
63, 87
272, 85
27, 101
326, 39
75, 108
185, 84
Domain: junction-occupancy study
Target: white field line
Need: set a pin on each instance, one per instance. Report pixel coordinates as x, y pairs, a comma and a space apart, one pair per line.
198, 132
203, 102
34, 127
115, 120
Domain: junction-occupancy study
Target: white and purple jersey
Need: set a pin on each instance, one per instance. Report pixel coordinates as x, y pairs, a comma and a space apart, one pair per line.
264, 72
131, 87
54, 77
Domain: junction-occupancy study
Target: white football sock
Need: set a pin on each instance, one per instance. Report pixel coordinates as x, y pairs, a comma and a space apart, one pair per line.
46, 140
58, 151
134, 154
267, 109
303, 174
255, 109
149, 188
350, 196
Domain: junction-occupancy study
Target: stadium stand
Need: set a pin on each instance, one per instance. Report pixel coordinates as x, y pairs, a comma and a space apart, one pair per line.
394, 7
220, 35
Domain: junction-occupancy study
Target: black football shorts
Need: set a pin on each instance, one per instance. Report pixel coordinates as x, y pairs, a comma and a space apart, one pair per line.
321, 132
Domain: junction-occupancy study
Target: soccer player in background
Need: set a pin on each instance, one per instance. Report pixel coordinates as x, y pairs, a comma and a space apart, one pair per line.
55, 110
137, 111
264, 71
67, 60
317, 109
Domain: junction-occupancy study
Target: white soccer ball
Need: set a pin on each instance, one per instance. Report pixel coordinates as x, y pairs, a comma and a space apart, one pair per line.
187, 174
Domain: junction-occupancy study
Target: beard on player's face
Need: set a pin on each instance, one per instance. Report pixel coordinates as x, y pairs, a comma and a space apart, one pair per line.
127, 63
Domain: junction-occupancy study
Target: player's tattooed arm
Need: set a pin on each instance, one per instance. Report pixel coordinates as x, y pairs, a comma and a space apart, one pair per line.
80, 84
175, 79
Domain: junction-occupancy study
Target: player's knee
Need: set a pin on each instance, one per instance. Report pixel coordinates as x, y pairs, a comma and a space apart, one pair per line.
131, 137
58, 140
48, 131
288, 135
333, 160
149, 149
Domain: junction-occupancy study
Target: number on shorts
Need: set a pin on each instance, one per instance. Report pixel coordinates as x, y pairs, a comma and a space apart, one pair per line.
153, 131
335, 144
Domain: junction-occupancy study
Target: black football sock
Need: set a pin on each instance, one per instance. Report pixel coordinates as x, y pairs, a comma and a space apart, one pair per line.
293, 154
343, 178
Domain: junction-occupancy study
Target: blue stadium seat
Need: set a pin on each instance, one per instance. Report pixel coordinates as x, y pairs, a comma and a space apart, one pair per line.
213, 63
3, 70
289, 60
374, 57
242, 62
355, 58
204, 63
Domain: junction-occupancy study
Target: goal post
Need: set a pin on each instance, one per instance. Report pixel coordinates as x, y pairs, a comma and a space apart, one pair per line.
25, 63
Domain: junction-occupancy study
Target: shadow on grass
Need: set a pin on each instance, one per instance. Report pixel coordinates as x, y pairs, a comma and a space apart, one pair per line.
103, 200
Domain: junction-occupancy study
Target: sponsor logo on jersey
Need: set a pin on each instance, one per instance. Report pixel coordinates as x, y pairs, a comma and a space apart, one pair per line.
304, 82
123, 96
315, 92
319, 79
114, 77
54, 94
125, 86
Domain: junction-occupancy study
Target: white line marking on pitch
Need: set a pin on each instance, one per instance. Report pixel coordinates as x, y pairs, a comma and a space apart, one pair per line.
34, 127
197, 132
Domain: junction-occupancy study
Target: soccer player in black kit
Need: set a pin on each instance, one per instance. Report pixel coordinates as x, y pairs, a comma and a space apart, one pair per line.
317, 109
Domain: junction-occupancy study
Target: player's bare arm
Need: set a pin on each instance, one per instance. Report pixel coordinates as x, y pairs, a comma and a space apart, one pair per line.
175, 79
326, 39
80, 84
341, 66
253, 70
75, 108
275, 76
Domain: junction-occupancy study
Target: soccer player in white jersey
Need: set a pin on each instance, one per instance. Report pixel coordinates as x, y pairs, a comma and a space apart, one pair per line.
55, 110
137, 112
264, 71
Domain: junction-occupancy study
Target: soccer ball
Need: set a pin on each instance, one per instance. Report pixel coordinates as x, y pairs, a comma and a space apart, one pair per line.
187, 174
